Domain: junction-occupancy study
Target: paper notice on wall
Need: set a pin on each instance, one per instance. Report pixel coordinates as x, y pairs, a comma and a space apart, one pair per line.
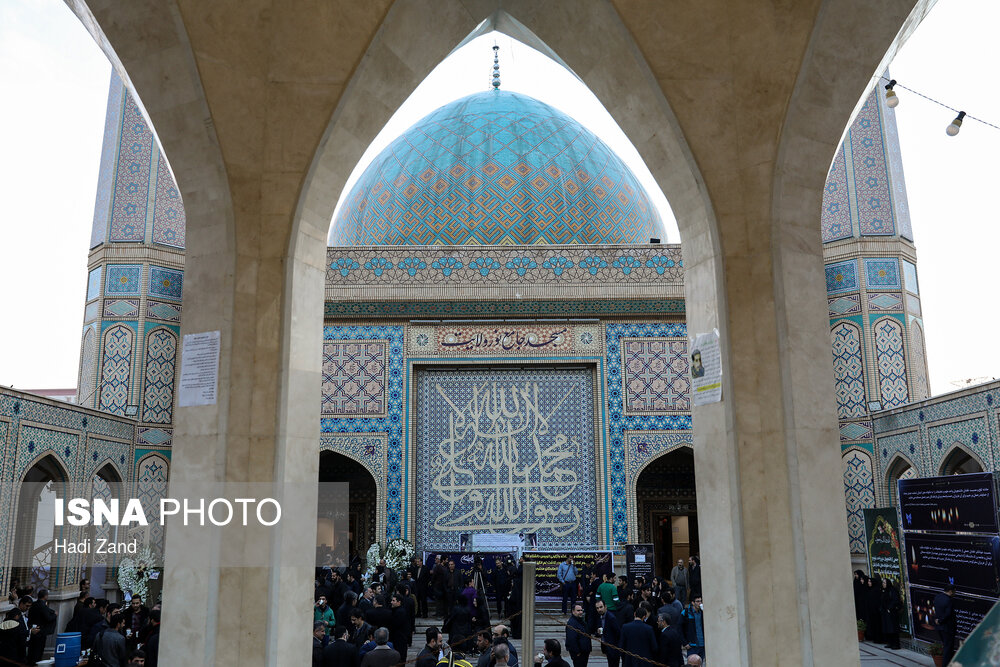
706, 368
199, 369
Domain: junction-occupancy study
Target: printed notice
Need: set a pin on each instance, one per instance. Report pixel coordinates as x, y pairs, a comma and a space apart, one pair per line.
706, 368
199, 369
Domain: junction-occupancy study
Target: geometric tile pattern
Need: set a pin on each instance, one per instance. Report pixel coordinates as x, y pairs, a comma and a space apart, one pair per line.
391, 424
842, 276
534, 456
656, 376
159, 310
340, 310
855, 431
972, 434
93, 284
150, 487
848, 370
109, 153
891, 363
128, 213
123, 279
116, 370
844, 305
836, 215
92, 311
859, 491
158, 395
495, 167
504, 265
644, 446
871, 177
166, 283
913, 304
882, 273
617, 422
885, 301
354, 378
168, 212
121, 308
918, 362
910, 276
86, 389
153, 436
102, 490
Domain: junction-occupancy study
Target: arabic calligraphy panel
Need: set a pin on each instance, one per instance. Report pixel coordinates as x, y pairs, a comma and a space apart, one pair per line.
505, 451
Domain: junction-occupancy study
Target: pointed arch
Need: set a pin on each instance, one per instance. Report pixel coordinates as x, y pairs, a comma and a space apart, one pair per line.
959, 460
33, 560
890, 361
379, 482
116, 369
848, 369
859, 492
151, 475
900, 467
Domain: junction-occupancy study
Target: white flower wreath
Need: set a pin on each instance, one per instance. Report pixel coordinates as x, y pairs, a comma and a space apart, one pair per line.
134, 571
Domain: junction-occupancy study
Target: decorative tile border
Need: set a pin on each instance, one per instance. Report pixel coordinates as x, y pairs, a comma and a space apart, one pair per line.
339, 310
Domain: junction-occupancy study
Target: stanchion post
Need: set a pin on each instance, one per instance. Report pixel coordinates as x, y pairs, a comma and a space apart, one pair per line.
528, 613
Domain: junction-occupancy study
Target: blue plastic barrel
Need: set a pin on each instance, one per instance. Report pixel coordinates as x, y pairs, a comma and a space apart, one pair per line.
67, 649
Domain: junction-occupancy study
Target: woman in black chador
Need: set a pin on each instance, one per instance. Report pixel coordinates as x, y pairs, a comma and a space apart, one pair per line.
860, 585
890, 607
873, 616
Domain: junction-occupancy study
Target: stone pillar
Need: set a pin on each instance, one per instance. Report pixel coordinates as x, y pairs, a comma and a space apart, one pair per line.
527, 613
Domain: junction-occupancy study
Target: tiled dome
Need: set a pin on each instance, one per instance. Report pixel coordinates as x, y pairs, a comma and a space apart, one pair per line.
496, 168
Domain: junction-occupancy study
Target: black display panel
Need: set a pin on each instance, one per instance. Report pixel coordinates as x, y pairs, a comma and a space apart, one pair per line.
969, 611
957, 503
967, 561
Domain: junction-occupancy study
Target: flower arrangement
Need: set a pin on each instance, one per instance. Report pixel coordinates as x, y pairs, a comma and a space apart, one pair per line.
133, 572
397, 554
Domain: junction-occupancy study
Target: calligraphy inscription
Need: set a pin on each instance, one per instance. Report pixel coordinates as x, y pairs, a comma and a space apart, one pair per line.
508, 452
505, 339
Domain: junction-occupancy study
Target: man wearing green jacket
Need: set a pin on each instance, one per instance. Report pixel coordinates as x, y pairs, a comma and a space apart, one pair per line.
324, 614
608, 592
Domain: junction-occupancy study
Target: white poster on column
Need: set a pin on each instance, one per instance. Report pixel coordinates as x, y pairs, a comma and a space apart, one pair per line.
706, 368
199, 369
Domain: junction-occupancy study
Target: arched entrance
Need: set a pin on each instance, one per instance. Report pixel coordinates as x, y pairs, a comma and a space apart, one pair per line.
358, 524
899, 469
960, 461
35, 563
666, 509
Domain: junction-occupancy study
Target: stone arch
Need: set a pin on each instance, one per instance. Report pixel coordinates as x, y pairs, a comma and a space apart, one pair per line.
159, 376
959, 460
898, 468
33, 560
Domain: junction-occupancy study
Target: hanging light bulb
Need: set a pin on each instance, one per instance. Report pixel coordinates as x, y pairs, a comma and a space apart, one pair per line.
891, 100
956, 125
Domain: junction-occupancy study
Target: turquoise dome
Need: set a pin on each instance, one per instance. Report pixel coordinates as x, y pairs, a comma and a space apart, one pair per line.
496, 168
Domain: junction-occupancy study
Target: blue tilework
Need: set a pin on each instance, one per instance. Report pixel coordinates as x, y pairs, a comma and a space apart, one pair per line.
890, 360
882, 273
168, 212
132, 176
166, 283
93, 284
491, 168
617, 422
859, 490
391, 424
123, 279
836, 216
109, 153
158, 391
842, 277
463, 476
910, 277
871, 177
848, 370
973, 434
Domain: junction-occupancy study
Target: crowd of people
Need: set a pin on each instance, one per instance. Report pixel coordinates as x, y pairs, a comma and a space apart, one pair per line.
370, 621
111, 635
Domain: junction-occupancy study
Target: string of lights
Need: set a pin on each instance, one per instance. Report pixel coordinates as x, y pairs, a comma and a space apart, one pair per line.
892, 101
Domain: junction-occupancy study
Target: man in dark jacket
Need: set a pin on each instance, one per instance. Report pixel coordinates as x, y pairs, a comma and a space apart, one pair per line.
380, 616
670, 643
319, 643
381, 655
110, 642
14, 645
359, 635
694, 577
638, 639
439, 587
340, 652
428, 656
577, 642
151, 643
421, 575
42, 616
553, 654
399, 631
610, 633
945, 621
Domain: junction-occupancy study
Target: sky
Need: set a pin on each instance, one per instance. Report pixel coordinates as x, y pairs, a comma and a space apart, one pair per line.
51, 123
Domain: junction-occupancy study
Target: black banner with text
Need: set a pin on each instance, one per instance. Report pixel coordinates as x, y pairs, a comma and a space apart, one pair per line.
885, 557
969, 611
957, 503
547, 563
967, 561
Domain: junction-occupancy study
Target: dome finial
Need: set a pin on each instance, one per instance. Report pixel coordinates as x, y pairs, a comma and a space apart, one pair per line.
496, 67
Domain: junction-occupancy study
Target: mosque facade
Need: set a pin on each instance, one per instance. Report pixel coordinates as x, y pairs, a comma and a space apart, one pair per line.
504, 346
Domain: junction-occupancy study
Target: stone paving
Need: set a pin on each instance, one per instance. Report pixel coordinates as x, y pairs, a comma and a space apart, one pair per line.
875, 655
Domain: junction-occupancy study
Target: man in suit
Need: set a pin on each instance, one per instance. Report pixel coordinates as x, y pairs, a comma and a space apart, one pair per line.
670, 643
340, 652
577, 642
381, 655
553, 654
422, 577
439, 586
15, 640
945, 621
40, 615
610, 633
638, 639
361, 628
428, 656
380, 615
135, 619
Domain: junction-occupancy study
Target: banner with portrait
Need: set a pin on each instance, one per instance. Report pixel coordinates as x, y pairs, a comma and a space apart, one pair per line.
885, 556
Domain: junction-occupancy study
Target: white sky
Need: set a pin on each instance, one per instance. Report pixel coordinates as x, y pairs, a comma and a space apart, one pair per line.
55, 83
